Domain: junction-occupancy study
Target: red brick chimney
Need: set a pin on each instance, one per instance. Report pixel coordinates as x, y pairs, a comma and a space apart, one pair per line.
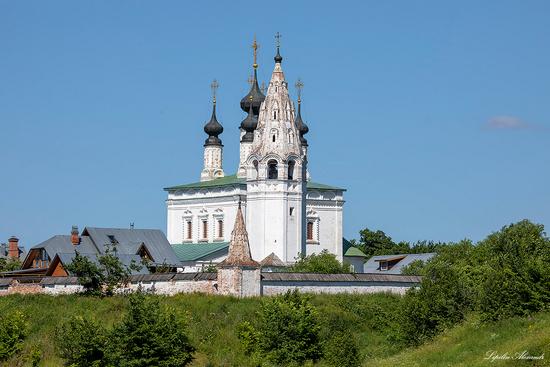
13, 248
75, 238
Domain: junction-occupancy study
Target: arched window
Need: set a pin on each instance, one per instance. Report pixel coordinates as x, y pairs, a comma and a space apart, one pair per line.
274, 115
291, 165
272, 172
273, 138
310, 230
290, 137
255, 163
220, 228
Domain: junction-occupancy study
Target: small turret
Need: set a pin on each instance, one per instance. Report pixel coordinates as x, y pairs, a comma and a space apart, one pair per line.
302, 127
249, 124
213, 153
213, 128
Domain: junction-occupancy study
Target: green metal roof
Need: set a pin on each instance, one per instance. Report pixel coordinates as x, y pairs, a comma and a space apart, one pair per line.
350, 250
196, 251
354, 251
234, 180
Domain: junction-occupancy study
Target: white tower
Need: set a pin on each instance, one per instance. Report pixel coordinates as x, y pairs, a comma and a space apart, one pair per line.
213, 148
276, 177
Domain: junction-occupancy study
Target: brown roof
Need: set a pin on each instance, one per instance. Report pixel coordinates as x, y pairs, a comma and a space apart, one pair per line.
239, 248
272, 260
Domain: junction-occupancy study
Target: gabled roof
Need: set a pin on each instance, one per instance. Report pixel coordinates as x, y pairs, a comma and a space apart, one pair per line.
350, 250
155, 241
125, 259
232, 180
272, 260
373, 264
197, 251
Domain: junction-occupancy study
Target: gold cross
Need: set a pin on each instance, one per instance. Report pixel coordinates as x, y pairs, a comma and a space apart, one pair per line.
255, 47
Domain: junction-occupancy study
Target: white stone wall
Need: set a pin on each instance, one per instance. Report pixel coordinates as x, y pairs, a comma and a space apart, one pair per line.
325, 209
276, 288
213, 158
199, 204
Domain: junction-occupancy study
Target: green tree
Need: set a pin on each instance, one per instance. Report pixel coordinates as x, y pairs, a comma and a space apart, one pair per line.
287, 332
82, 342
9, 264
13, 330
324, 263
341, 350
150, 335
104, 277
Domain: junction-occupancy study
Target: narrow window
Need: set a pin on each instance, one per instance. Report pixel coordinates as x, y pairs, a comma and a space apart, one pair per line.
291, 211
189, 230
220, 228
204, 229
256, 168
291, 170
272, 172
310, 230
274, 115
273, 138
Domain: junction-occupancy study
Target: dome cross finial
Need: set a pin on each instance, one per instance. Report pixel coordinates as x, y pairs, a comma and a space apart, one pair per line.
255, 47
278, 57
214, 86
299, 85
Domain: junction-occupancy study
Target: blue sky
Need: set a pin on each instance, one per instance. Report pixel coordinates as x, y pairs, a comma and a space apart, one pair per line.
434, 115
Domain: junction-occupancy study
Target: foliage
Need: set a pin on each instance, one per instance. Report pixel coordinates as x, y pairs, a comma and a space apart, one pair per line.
148, 335
82, 342
104, 277
9, 264
374, 243
210, 268
13, 330
324, 263
517, 276
287, 331
442, 300
341, 350
416, 267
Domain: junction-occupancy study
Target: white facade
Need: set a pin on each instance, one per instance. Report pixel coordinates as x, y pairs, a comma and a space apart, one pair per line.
285, 213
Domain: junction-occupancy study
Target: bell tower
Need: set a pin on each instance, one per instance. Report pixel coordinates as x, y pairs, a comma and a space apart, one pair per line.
276, 176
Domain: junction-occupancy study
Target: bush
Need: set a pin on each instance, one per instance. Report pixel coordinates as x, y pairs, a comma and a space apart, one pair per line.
82, 342
287, 332
341, 350
13, 330
324, 262
148, 335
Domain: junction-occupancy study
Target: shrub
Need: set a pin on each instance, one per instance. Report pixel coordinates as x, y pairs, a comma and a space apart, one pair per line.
150, 336
13, 330
341, 350
82, 342
324, 262
287, 332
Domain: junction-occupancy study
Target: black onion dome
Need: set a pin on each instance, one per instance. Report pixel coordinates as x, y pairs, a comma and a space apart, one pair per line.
303, 129
249, 125
213, 128
278, 58
257, 97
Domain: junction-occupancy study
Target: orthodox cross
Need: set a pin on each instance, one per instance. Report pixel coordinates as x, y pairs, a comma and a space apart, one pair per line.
263, 88
299, 85
278, 38
255, 47
214, 86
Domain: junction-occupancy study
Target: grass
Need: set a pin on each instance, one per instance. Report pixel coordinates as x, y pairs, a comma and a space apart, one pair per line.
370, 319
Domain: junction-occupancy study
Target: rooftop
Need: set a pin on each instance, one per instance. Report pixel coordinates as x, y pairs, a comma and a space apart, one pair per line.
234, 180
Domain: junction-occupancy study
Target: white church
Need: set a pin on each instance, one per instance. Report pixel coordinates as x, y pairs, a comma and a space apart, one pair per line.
286, 213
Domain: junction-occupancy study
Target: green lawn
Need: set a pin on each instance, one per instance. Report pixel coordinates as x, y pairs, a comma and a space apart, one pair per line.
212, 321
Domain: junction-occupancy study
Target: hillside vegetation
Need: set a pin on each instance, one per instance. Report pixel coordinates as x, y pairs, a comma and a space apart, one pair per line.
213, 321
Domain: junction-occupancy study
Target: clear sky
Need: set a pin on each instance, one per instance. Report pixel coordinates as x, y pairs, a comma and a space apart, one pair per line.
433, 114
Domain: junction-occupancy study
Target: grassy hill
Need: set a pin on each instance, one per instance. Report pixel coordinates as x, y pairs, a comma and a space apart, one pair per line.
212, 321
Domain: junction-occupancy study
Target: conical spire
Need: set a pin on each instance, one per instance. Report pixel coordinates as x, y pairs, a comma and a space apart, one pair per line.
255, 97
239, 248
213, 128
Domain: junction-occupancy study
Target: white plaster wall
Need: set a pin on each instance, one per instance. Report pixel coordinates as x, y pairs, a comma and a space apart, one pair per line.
327, 208
273, 289
202, 203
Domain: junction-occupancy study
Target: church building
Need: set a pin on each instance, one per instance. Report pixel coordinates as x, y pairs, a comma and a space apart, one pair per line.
286, 213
